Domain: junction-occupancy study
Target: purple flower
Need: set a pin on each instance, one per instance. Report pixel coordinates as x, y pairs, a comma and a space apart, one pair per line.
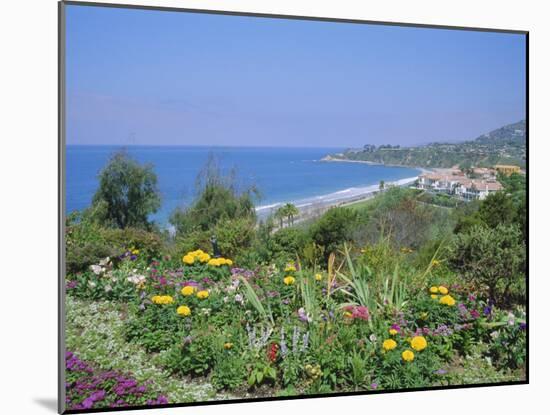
487, 310
374, 386
522, 326
87, 403
71, 284
395, 327
303, 316
474, 313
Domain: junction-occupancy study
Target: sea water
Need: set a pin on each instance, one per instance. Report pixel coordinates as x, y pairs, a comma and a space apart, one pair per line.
281, 175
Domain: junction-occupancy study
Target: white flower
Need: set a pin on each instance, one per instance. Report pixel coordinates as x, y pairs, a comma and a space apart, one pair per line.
373, 338
91, 284
136, 279
108, 288
96, 269
105, 261
494, 334
239, 298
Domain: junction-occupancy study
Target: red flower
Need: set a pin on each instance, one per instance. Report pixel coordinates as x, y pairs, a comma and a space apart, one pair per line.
272, 352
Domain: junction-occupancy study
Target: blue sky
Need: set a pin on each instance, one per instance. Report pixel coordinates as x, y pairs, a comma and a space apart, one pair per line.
169, 78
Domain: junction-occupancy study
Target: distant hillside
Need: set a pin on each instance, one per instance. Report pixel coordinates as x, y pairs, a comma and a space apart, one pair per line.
505, 145
510, 134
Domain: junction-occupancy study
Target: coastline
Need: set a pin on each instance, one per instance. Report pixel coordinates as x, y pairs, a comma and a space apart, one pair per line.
313, 207
330, 159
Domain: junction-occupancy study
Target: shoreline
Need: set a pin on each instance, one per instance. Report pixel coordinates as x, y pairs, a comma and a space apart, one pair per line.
310, 208
330, 159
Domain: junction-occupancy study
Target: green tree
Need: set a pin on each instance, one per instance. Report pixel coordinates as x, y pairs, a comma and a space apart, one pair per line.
493, 257
291, 211
514, 183
127, 193
280, 215
497, 209
218, 198
335, 227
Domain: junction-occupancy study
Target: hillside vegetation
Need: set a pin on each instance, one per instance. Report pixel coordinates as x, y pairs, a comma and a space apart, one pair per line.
506, 145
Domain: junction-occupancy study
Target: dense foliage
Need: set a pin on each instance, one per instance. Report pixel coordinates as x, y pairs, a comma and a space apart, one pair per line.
127, 193
398, 292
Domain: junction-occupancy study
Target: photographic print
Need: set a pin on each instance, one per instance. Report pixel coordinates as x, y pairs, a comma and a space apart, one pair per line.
269, 207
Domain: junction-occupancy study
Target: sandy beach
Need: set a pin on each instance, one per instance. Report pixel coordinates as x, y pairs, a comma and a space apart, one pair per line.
313, 207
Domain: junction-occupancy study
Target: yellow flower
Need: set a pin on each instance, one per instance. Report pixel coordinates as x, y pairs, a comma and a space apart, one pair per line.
419, 343
135, 251
228, 262
318, 277
433, 290
348, 314
183, 310
393, 332
204, 257
290, 268
407, 355
188, 290
389, 344
443, 290
435, 263
447, 300
424, 315
434, 296
215, 262
196, 253
201, 295
289, 280
228, 346
188, 259
162, 299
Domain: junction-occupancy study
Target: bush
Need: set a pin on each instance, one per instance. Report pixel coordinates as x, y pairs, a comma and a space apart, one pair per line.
234, 235
85, 243
397, 214
149, 244
287, 242
155, 328
229, 372
492, 257
218, 199
334, 228
194, 357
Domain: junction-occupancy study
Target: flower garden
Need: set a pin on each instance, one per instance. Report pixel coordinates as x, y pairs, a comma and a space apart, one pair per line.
281, 330
391, 294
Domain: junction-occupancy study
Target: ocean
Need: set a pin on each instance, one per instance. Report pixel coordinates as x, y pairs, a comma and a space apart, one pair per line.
280, 174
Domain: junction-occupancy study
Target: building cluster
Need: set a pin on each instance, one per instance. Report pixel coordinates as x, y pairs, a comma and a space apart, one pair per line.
454, 182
